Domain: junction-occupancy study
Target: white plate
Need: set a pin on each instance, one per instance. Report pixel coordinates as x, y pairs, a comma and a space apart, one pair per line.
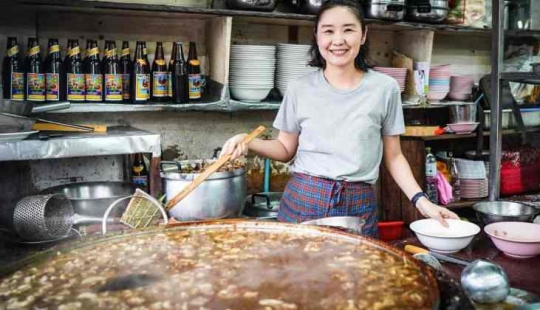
15, 136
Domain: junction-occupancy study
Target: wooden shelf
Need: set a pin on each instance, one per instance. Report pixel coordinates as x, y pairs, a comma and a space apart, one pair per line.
468, 136
274, 17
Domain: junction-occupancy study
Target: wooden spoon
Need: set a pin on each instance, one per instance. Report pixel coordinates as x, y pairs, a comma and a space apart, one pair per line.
211, 169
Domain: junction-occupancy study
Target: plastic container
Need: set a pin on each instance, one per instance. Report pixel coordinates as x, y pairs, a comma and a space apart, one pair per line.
390, 231
531, 117
506, 115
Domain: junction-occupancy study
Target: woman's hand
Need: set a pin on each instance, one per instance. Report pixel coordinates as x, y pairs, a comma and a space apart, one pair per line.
235, 147
431, 210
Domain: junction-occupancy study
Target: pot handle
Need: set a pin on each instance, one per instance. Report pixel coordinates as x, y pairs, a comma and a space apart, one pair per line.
169, 163
423, 6
264, 196
216, 153
395, 7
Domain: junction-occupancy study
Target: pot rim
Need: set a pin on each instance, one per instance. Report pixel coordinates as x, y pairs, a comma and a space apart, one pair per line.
178, 176
56, 190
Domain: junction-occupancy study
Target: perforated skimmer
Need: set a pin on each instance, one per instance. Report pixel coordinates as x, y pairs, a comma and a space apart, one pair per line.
46, 217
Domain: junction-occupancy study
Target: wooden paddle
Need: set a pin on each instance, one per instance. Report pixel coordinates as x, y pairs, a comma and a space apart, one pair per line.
211, 169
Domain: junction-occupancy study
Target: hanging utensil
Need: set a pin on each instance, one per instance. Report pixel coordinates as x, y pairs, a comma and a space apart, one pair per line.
47, 217
79, 127
211, 169
482, 281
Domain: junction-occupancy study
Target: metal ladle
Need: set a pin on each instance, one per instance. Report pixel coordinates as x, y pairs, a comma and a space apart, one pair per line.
482, 281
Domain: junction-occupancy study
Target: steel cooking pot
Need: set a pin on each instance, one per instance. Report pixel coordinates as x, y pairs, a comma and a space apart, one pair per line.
427, 10
263, 205
221, 195
385, 9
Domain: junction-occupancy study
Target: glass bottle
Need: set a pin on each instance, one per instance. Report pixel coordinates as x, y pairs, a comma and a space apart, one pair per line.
159, 75
76, 88
13, 72
140, 77
93, 74
194, 73
126, 69
431, 176
180, 76
35, 73
55, 73
112, 78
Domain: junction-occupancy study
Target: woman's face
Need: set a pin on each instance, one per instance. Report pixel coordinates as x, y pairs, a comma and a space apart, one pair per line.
339, 37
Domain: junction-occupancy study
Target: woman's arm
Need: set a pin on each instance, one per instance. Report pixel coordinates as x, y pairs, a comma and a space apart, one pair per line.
281, 149
400, 170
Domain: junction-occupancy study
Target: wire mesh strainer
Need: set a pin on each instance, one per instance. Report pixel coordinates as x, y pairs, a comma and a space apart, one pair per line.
43, 217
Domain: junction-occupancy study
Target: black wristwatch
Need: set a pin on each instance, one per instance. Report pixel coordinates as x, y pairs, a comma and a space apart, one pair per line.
417, 197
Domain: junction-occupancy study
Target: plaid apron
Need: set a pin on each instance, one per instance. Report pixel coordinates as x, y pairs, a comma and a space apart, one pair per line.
307, 197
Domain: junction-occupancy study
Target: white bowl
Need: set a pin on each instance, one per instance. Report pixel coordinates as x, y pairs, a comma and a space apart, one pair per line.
250, 94
442, 239
463, 128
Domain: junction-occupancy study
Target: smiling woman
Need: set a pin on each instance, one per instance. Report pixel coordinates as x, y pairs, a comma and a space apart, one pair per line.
337, 123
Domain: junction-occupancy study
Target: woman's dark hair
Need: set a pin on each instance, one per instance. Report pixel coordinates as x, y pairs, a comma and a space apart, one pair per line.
354, 6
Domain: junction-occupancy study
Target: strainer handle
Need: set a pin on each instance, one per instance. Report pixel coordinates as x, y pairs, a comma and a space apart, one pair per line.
115, 203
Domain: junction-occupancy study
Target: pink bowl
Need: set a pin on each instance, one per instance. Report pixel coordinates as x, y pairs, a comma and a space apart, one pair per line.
463, 128
515, 239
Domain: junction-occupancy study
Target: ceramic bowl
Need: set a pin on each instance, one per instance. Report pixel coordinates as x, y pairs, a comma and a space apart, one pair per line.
463, 128
515, 239
444, 239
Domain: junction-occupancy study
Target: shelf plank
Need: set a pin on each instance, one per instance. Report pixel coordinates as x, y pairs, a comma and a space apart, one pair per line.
465, 203
289, 18
219, 106
468, 136
236, 105
116, 141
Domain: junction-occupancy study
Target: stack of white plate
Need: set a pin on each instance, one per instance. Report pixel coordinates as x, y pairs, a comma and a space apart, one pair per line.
292, 63
252, 69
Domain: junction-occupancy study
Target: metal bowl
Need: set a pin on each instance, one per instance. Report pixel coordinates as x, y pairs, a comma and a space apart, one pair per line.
93, 198
352, 224
252, 5
463, 113
503, 211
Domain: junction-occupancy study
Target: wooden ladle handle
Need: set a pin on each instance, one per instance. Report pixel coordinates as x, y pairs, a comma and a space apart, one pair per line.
208, 171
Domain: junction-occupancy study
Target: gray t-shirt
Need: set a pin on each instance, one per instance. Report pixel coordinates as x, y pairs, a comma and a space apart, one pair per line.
341, 131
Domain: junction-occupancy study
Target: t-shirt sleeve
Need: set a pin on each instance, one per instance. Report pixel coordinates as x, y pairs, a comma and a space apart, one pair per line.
286, 118
393, 122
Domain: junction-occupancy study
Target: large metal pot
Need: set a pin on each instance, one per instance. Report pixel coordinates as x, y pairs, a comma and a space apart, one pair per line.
93, 198
427, 10
352, 224
221, 195
385, 9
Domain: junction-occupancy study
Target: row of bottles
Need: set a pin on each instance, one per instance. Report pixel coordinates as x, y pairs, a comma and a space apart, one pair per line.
114, 78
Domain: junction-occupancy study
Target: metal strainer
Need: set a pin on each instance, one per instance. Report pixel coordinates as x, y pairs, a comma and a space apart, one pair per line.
46, 217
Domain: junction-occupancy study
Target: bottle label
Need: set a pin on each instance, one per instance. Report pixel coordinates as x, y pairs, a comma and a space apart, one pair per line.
160, 84
195, 86
113, 87
74, 51
35, 86
142, 62
75, 87
169, 85
195, 62
125, 52
160, 62
140, 180
93, 87
33, 51
17, 86
53, 86
431, 170
92, 52
110, 53
54, 49
126, 86
142, 87
13, 51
